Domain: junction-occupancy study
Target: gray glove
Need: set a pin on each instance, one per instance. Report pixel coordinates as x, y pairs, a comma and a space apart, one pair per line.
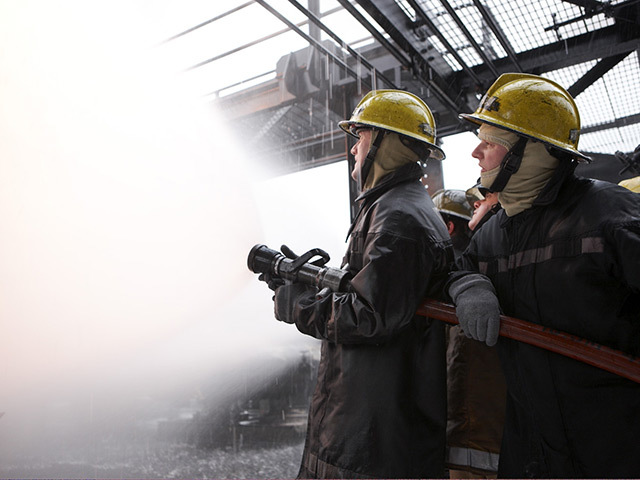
477, 307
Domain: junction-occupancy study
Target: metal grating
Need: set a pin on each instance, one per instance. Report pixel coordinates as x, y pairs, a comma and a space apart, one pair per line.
530, 25
454, 50
526, 25
624, 139
607, 101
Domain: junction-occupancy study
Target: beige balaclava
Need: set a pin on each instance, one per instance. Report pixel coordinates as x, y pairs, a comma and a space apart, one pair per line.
525, 185
392, 154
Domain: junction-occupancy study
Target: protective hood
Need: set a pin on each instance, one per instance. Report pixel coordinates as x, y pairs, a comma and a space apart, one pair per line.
525, 185
391, 155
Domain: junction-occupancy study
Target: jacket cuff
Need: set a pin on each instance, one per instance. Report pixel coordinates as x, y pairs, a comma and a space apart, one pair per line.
471, 280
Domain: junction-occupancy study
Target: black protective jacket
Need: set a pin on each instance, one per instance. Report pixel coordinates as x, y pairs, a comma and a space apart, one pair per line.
571, 262
379, 408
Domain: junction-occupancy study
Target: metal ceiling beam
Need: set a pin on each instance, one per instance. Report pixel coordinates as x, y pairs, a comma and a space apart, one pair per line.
436, 31
588, 5
392, 19
603, 43
315, 20
309, 39
617, 123
211, 20
391, 48
497, 31
241, 47
488, 61
595, 73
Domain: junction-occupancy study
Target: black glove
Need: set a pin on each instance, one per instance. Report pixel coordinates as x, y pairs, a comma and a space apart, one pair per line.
287, 299
477, 307
272, 282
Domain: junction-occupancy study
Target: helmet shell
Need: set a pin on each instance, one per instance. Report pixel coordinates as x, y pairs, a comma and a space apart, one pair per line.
476, 193
632, 184
397, 111
453, 202
532, 106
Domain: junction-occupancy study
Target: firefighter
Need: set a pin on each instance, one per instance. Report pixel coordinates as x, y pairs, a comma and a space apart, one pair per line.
564, 252
485, 205
456, 213
475, 383
379, 407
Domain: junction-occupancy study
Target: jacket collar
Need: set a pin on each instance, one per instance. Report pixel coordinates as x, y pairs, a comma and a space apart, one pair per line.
549, 193
409, 172
551, 190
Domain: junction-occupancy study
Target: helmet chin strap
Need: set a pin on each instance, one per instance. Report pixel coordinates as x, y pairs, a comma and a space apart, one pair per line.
368, 161
510, 165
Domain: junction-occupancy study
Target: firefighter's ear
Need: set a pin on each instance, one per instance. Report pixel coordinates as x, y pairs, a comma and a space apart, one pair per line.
450, 226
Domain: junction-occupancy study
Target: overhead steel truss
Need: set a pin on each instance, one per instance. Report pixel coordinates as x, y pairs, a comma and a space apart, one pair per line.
427, 47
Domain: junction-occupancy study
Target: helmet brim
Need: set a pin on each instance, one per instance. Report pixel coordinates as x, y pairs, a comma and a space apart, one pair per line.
435, 151
479, 120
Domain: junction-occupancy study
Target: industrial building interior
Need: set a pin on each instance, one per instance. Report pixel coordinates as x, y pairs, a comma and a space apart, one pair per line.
446, 51
127, 230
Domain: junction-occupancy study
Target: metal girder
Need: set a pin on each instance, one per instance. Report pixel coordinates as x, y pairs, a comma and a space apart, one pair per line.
425, 18
588, 5
392, 49
316, 21
603, 43
617, 123
597, 72
397, 25
447, 6
497, 31
312, 41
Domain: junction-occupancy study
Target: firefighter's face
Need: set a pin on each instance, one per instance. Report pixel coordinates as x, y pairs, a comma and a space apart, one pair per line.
481, 207
360, 150
489, 155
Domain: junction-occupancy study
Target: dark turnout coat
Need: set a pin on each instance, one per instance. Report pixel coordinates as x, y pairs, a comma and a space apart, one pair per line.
571, 262
379, 407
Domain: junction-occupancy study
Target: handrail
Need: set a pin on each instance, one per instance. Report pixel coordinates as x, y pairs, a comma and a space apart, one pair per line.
555, 341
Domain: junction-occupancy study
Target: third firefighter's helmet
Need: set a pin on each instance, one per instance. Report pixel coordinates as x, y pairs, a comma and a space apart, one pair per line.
453, 202
476, 193
397, 111
532, 106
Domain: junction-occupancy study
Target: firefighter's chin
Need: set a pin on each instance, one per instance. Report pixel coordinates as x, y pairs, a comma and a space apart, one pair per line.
355, 173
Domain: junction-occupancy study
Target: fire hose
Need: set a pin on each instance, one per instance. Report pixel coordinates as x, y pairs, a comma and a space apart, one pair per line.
266, 261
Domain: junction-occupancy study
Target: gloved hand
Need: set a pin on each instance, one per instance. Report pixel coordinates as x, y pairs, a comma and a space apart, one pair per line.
477, 307
287, 299
272, 282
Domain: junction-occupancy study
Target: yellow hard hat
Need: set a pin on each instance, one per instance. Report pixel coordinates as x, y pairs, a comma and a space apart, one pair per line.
476, 193
532, 106
453, 202
632, 184
397, 111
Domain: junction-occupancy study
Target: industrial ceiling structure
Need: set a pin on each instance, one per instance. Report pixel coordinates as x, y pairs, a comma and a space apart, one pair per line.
446, 51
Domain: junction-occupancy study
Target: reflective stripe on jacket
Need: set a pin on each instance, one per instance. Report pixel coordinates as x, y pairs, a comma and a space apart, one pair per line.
571, 262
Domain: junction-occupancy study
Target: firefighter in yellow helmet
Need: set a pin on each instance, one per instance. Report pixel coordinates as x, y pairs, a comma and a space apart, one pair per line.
400, 120
475, 384
485, 204
456, 213
564, 253
379, 409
